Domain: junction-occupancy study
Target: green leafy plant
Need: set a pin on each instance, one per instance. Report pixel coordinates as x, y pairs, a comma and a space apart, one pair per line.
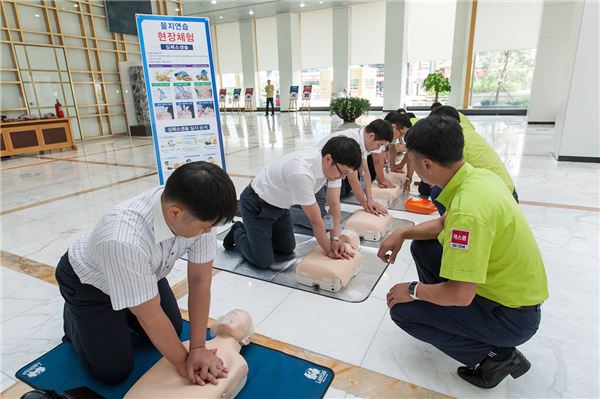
437, 83
349, 108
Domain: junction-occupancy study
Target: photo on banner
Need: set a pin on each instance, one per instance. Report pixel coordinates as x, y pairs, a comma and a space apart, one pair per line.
180, 82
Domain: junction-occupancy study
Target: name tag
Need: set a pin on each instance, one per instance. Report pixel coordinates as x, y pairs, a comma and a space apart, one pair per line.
459, 239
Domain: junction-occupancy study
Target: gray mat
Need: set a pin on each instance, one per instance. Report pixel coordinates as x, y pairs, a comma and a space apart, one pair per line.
397, 205
284, 271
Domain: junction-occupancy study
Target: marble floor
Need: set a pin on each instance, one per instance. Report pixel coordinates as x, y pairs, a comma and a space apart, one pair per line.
48, 200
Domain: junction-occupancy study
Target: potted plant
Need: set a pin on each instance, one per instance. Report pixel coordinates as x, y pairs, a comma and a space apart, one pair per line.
349, 108
437, 83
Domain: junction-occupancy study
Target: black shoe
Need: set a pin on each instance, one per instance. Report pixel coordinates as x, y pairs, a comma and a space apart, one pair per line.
228, 241
490, 373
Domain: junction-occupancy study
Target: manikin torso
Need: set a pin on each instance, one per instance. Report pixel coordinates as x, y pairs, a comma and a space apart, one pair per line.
163, 381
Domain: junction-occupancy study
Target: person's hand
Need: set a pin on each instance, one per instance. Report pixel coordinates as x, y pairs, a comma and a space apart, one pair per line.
203, 365
406, 188
374, 208
390, 247
385, 184
338, 249
398, 294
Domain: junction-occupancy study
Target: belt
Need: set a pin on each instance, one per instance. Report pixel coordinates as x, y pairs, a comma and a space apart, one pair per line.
530, 307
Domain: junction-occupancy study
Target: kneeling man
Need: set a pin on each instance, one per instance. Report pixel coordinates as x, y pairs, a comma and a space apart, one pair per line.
481, 274
293, 179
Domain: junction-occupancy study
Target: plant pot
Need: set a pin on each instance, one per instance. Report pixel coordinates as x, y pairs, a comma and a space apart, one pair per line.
349, 120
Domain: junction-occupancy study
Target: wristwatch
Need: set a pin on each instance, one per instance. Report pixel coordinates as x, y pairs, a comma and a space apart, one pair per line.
412, 290
335, 238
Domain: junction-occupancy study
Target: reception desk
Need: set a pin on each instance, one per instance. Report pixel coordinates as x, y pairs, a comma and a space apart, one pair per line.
21, 137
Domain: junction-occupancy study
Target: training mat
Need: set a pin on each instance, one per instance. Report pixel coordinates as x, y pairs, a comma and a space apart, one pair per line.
397, 205
272, 374
283, 271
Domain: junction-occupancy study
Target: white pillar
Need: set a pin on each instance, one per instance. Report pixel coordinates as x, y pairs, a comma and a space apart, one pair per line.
288, 49
248, 44
341, 49
576, 136
555, 55
396, 23
460, 53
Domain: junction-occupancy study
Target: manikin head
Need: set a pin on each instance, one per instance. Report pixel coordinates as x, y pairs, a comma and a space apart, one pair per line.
198, 196
236, 324
378, 134
341, 157
400, 123
435, 149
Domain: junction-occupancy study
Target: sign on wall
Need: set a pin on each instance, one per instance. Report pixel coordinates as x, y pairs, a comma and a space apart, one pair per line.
182, 96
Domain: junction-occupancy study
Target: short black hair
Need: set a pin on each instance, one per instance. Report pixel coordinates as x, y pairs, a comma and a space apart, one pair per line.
438, 138
343, 151
381, 128
400, 120
446, 110
203, 189
435, 105
411, 115
401, 111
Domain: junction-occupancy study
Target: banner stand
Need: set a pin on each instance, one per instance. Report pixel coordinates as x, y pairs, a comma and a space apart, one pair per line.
249, 96
293, 104
306, 94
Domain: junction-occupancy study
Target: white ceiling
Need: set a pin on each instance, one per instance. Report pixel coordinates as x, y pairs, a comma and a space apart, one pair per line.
235, 10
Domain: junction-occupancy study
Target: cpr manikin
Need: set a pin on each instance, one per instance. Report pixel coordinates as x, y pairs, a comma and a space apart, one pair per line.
395, 177
231, 332
368, 226
386, 195
317, 269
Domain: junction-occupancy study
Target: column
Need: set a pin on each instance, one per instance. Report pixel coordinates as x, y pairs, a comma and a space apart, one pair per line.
288, 49
341, 49
576, 135
396, 22
460, 53
248, 44
555, 55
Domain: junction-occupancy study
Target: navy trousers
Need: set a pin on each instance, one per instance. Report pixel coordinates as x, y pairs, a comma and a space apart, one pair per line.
267, 231
100, 335
469, 333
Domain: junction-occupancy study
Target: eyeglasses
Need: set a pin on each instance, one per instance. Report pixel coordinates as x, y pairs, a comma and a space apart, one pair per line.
339, 170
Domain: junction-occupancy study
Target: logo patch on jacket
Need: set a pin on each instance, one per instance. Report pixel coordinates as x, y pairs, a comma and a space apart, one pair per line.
459, 239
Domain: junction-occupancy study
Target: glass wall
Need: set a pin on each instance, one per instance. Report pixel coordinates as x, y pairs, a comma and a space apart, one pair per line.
416, 74
321, 80
267, 61
231, 81
506, 35
263, 76
367, 51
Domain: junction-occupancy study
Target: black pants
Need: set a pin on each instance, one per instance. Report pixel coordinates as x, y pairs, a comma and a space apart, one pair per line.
267, 231
270, 101
102, 336
371, 165
467, 333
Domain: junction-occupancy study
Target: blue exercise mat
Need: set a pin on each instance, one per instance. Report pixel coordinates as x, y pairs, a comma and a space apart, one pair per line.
272, 374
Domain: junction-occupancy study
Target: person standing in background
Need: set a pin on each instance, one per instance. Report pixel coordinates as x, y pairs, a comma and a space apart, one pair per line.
270, 89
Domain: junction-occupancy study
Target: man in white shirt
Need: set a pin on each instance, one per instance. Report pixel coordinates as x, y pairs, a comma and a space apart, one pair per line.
113, 277
372, 139
293, 179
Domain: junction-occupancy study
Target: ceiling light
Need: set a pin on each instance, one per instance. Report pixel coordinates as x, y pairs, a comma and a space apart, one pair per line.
221, 17
302, 5
176, 9
213, 1
320, 2
251, 12
37, 15
75, 5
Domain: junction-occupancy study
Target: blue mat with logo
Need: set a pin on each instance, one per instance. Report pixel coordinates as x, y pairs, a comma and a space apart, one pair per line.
272, 374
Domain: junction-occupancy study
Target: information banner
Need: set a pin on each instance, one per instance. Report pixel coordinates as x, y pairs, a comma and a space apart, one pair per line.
182, 96
249, 93
294, 92
236, 94
306, 91
222, 95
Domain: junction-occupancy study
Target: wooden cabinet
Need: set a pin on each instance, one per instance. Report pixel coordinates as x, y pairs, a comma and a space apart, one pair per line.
21, 137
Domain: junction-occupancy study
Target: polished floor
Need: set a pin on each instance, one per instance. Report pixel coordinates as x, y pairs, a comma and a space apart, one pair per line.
48, 200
